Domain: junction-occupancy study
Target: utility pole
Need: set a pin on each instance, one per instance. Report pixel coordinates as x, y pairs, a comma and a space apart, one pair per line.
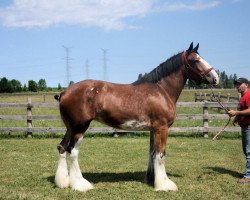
68, 67
105, 64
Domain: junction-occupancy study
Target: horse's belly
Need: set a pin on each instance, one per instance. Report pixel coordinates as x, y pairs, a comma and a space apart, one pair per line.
135, 125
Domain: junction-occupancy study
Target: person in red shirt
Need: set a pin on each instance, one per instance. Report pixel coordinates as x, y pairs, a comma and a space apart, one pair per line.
242, 117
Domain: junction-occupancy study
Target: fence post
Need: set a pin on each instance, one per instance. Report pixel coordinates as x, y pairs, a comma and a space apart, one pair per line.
228, 97
239, 96
218, 99
29, 118
219, 96
205, 120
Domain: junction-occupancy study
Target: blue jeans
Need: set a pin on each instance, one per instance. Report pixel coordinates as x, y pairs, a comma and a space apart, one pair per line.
245, 131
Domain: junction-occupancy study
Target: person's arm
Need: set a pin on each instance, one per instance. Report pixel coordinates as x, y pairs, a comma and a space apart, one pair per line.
239, 112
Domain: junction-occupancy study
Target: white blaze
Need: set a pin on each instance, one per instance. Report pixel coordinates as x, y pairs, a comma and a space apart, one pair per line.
212, 76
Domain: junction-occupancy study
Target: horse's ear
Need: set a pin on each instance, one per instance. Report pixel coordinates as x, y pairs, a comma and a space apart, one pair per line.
196, 48
190, 48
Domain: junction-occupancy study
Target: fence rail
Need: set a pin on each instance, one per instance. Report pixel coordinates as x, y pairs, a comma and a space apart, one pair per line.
199, 96
29, 117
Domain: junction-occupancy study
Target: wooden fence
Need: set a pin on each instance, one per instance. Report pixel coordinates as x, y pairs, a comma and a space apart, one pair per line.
29, 129
199, 96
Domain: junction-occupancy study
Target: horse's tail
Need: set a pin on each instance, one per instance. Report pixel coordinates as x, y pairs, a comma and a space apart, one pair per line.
64, 144
57, 97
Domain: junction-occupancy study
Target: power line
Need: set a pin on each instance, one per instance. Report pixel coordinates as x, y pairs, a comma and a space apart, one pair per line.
105, 76
68, 67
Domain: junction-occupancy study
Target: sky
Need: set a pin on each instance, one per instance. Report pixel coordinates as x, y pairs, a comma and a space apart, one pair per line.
115, 40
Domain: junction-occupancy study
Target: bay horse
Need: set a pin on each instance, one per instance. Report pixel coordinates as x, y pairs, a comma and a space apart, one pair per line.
146, 104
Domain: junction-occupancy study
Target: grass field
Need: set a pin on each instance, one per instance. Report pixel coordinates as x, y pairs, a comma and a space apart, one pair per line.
116, 166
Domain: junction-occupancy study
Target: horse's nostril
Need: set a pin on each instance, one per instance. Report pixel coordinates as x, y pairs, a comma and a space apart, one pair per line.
215, 82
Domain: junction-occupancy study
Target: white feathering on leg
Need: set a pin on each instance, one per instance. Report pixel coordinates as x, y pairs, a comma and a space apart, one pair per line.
77, 182
62, 175
162, 182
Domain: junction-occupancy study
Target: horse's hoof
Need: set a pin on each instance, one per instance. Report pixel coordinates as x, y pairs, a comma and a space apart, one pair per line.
62, 182
81, 185
166, 185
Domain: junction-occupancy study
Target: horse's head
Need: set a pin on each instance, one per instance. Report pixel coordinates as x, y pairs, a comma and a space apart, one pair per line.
198, 69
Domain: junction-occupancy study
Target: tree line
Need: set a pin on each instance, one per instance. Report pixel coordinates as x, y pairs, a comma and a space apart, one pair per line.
11, 86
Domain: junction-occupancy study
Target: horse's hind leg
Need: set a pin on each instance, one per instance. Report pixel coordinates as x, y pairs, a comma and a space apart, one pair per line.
62, 174
77, 182
71, 144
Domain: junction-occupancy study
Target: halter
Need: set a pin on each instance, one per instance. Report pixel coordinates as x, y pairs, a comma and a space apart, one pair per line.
201, 75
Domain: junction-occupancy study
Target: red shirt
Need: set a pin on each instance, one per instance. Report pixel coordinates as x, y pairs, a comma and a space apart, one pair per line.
244, 103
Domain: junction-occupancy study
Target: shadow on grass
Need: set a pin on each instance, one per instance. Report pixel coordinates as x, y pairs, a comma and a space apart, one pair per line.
114, 177
222, 170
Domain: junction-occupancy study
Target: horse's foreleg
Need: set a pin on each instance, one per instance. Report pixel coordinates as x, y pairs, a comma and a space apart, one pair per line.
161, 180
77, 182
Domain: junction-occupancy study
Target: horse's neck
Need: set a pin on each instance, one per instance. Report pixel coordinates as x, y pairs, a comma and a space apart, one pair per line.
174, 84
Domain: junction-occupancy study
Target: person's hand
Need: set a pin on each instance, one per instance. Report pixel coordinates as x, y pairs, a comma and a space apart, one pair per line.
232, 113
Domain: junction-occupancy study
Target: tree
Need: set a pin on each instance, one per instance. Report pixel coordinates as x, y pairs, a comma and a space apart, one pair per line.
42, 85
59, 86
10, 86
4, 85
15, 85
32, 86
225, 80
191, 84
25, 89
71, 83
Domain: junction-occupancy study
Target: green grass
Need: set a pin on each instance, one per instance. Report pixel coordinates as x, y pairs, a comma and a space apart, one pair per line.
202, 169
23, 97
188, 95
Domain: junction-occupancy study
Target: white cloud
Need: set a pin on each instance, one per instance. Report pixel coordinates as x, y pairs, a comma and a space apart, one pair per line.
107, 14
187, 5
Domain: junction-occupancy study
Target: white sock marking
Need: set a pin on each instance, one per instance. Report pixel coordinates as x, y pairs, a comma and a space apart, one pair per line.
162, 182
77, 182
62, 175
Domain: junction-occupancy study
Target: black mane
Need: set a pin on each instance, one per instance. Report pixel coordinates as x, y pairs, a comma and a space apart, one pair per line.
166, 68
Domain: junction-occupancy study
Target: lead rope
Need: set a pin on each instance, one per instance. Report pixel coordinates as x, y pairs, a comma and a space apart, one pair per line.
225, 109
